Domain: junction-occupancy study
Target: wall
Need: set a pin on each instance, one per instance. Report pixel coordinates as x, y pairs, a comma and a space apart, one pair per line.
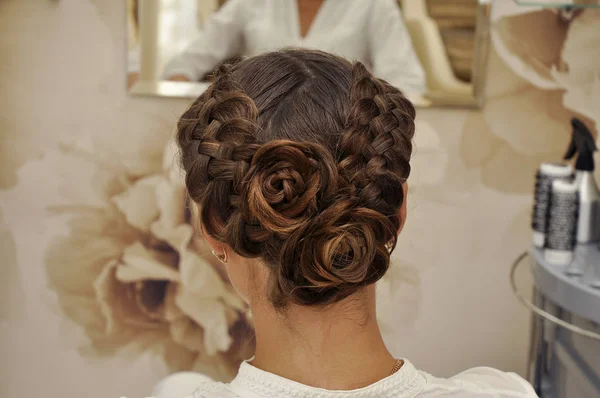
447, 305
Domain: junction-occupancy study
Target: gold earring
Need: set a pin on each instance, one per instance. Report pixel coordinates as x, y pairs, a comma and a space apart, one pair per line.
221, 257
389, 246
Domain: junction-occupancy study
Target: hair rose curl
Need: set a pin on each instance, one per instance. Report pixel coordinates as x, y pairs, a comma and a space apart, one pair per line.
286, 182
299, 158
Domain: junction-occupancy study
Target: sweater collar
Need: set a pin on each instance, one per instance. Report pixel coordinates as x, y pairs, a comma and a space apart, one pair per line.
405, 383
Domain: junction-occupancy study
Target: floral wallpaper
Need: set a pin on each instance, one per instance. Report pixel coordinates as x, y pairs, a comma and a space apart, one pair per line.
107, 286
132, 270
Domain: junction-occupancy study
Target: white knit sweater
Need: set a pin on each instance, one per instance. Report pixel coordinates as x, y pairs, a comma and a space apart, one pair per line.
408, 382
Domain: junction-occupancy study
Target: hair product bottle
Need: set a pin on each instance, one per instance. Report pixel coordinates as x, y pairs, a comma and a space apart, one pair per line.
583, 145
545, 176
562, 223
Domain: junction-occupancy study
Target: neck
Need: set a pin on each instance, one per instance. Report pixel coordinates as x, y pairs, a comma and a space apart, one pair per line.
337, 348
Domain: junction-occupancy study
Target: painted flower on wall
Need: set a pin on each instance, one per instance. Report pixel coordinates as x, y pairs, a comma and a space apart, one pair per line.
554, 49
133, 272
542, 73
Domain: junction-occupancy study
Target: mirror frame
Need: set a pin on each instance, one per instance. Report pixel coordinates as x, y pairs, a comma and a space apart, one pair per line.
190, 90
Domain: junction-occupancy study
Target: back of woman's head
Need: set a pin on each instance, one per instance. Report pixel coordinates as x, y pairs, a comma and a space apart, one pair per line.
299, 158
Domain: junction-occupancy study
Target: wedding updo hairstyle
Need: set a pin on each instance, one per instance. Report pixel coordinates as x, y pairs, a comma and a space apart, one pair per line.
299, 158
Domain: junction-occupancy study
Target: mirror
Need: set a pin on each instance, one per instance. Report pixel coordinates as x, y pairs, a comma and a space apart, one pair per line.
434, 50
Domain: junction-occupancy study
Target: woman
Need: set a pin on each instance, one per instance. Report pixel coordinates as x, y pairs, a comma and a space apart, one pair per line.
369, 31
297, 161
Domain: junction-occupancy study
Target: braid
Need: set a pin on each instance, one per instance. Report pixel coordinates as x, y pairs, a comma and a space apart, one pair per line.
375, 145
217, 137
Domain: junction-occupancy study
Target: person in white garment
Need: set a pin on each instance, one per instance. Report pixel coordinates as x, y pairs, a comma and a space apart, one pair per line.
371, 31
297, 164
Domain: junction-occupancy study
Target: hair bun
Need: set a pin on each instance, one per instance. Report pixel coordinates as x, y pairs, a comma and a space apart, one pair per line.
334, 255
330, 244
286, 184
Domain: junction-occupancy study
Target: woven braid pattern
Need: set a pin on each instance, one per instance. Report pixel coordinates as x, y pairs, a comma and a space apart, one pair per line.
217, 137
376, 142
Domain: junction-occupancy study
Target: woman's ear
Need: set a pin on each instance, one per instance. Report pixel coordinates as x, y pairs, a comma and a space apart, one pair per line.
214, 245
217, 247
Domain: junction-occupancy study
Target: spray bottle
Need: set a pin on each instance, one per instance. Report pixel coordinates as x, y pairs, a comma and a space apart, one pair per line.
582, 144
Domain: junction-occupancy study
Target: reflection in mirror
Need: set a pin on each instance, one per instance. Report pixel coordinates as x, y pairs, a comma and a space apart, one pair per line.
434, 50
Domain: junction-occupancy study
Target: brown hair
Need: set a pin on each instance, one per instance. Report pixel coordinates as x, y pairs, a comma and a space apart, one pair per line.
299, 157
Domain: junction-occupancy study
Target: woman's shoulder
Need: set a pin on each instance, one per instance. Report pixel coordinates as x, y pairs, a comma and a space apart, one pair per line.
479, 382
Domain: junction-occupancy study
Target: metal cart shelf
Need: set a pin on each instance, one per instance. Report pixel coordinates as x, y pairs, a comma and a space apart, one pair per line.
565, 338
